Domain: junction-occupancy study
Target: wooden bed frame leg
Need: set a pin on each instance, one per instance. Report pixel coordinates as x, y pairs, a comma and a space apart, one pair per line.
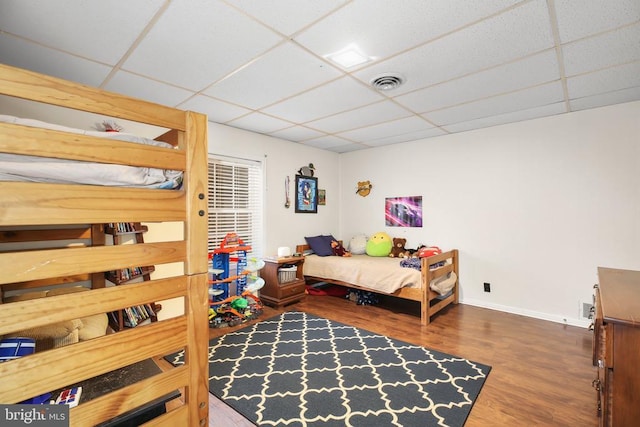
425, 316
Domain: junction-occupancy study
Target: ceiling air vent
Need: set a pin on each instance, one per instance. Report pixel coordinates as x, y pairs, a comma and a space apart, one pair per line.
387, 81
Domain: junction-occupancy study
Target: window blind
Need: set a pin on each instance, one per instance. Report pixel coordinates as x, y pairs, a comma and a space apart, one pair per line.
235, 202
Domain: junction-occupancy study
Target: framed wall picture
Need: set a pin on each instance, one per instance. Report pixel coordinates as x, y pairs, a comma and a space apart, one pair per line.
306, 194
322, 197
403, 211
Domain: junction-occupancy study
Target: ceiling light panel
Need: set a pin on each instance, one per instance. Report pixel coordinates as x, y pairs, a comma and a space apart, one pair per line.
349, 57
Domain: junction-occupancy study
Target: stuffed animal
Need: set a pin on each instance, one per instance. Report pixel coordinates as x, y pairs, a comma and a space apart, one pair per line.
427, 251
398, 250
379, 244
338, 249
358, 244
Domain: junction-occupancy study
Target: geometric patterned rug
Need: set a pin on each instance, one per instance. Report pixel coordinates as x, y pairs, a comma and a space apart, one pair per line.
297, 369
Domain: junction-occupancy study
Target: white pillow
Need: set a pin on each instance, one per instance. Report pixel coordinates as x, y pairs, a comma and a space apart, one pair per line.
358, 244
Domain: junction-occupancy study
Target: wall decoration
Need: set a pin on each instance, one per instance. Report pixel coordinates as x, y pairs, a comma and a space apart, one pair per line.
306, 194
364, 188
322, 197
307, 170
403, 211
286, 192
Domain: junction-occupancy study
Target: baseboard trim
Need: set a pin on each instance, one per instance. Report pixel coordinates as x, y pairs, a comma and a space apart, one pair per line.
573, 321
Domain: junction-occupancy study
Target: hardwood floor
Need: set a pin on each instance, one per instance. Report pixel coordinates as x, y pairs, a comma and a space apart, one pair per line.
541, 371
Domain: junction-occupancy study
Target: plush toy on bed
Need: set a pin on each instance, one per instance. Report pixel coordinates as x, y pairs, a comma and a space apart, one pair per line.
398, 250
338, 249
379, 244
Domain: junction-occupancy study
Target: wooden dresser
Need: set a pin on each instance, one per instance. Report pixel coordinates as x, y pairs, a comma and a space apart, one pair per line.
616, 347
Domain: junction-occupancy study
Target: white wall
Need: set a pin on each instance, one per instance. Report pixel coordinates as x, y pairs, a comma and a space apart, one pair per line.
534, 207
284, 227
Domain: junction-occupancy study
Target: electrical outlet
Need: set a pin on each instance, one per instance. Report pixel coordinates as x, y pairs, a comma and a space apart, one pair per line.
487, 287
586, 310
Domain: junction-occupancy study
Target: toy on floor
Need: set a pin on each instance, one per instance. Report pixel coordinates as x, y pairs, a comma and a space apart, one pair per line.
361, 297
234, 310
70, 396
232, 249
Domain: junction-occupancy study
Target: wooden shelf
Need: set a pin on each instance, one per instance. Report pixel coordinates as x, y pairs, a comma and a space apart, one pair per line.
130, 316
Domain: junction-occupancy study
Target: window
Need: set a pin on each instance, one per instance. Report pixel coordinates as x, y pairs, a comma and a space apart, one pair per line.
235, 202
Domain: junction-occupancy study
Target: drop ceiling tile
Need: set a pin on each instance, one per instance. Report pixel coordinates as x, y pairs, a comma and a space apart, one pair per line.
600, 100
392, 128
24, 54
602, 51
335, 144
150, 90
579, 18
530, 71
363, 116
328, 141
381, 29
406, 137
337, 96
260, 123
280, 73
347, 148
197, 42
287, 16
549, 93
514, 34
216, 111
607, 80
100, 30
516, 116
297, 133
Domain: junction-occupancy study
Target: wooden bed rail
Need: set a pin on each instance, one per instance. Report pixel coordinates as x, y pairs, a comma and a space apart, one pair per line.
31, 205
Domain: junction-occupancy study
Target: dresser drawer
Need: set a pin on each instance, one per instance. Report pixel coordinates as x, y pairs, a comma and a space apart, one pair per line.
291, 290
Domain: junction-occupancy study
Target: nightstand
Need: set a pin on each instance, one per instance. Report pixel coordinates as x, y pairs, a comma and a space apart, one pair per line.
283, 281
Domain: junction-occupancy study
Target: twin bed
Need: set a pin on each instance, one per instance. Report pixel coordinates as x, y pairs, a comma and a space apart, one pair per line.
171, 187
434, 286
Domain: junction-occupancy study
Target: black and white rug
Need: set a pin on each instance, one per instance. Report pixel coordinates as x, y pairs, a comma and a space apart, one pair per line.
297, 369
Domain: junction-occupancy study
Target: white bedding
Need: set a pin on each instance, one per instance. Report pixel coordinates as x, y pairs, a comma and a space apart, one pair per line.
16, 167
380, 274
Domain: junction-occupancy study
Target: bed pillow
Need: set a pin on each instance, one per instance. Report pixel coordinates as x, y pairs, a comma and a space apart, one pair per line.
320, 245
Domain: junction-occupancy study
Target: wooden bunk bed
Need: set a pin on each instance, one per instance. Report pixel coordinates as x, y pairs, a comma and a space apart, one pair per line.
432, 269
40, 207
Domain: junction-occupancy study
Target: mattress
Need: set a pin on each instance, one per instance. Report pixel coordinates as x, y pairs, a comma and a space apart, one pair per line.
17, 167
380, 274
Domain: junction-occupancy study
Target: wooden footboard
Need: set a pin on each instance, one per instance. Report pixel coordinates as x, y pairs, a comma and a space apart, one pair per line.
430, 301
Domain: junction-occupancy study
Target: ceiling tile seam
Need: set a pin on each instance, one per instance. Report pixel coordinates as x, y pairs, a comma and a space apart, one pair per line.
484, 98
145, 31
66, 52
241, 67
471, 73
553, 21
440, 36
444, 125
608, 67
297, 32
285, 39
291, 124
602, 33
607, 93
